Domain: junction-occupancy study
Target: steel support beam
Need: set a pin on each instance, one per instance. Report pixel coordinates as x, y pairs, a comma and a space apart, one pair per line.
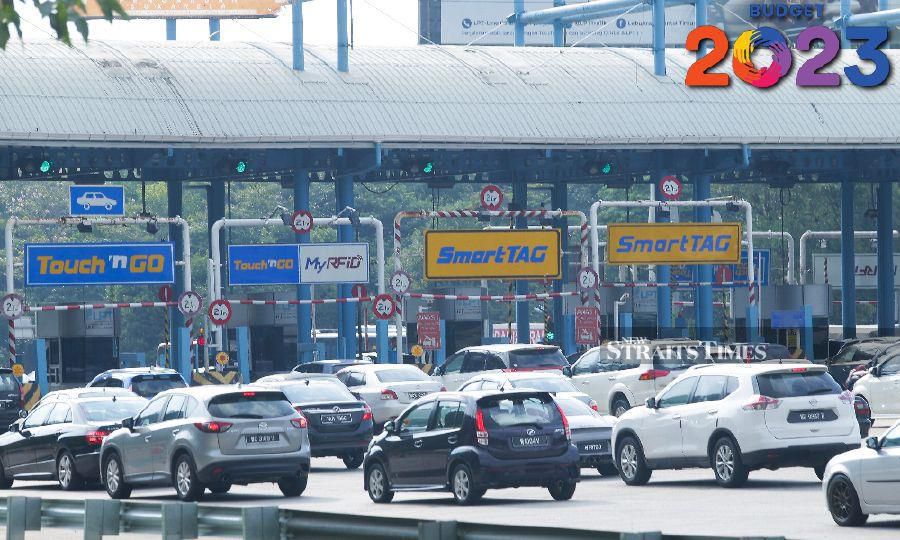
703, 305
215, 30
297, 34
171, 30
663, 273
559, 199
523, 316
659, 38
346, 312
549, 15
304, 311
885, 260
559, 28
174, 196
848, 259
519, 6
342, 40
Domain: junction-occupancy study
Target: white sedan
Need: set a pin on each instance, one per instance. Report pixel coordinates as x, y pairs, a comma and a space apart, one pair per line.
387, 388
865, 481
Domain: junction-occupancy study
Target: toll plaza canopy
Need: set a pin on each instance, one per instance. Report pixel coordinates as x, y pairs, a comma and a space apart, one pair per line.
247, 95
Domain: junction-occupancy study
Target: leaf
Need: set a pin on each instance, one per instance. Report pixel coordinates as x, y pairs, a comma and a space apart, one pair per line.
82, 26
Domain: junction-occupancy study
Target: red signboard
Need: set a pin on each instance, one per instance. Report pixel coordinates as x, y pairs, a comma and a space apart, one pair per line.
428, 327
587, 326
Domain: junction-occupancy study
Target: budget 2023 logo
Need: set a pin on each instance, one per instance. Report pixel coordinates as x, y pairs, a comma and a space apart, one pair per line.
817, 44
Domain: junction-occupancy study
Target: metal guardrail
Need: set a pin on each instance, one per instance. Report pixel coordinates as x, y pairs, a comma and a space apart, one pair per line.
177, 520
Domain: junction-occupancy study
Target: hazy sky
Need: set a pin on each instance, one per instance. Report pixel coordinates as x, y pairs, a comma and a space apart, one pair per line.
371, 26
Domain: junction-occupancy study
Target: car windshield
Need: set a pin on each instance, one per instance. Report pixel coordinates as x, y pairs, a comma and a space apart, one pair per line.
110, 410
401, 374
800, 384
149, 385
537, 358
313, 391
546, 384
575, 407
500, 411
8, 384
251, 405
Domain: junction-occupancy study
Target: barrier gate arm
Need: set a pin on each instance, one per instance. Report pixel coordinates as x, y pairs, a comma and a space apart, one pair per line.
450, 214
177, 221
812, 235
216, 263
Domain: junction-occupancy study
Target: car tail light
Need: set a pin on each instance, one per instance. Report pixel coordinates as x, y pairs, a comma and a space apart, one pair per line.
761, 403
249, 394
653, 374
481, 434
213, 427
593, 405
565, 422
798, 370
367, 413
95, 437
388, 394
846, 397
300, 423
443, 389
862, 408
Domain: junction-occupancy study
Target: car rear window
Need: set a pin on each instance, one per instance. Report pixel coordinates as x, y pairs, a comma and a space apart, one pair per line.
150, 385
575, 407
109, 410
801, 384
537, 358
401, 374
501, 412
546, 384
317, 392
250, 404
8, 383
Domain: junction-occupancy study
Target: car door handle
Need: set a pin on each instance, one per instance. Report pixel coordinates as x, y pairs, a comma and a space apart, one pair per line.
175, 431
418, 444
452, 439
676, 417
610, 378
584, 382
147, 438
712, 411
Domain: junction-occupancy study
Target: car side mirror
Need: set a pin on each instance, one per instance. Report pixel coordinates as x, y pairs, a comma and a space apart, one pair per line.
14, 427
651, 402
567, 371
128, 423
872, 443
439, 370
874, 371
389, 426
23, 413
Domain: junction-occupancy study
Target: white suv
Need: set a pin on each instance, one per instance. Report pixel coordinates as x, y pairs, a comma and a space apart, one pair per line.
737, 418
622, 375
881, 386
460, 367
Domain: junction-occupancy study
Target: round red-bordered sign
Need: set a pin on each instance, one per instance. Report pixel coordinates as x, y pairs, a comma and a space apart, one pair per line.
588, 279
670, 187
190, 303
384, 307
165, 293
13, 306
359, 291
491, 197
220, 312
301, 221
400, 282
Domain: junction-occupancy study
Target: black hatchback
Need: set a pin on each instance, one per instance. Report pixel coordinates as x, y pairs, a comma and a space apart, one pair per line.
338, 423
470, 442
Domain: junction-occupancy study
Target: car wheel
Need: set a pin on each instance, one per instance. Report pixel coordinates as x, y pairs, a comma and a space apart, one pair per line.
66, 475
843, 502
107, 206
293, 486
114, 479
619, 406
219, 487
354, 460
187, 484
86, 206
562, 490
607, 469
379, 490
6, 482
462, 482
820, 471
632, 467
727, 464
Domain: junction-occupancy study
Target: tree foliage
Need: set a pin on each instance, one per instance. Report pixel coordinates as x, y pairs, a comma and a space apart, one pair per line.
59, 13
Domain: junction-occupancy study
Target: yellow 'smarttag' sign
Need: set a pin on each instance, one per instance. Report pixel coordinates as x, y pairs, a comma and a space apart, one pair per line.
674, 243
512, 254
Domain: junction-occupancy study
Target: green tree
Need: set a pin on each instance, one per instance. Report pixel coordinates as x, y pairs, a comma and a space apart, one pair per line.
59, 13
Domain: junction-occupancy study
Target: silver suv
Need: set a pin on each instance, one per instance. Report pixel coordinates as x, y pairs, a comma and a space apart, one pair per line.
209, 437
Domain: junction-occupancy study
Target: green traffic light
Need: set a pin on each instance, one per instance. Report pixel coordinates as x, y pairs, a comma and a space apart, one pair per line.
607, 167
241, 166
550, 336
429, 167
45, 166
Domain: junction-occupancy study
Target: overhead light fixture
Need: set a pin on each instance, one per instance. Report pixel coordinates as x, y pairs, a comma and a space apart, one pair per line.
85, 227
286, 218
152, 227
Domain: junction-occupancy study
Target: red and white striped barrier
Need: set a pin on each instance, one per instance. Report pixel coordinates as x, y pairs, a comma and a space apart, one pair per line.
314, 301
117, 305
651, 284
492, 297
863, 302
12, 342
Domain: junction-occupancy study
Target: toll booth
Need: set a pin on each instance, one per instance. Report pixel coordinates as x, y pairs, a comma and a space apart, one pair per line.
462, 321
268, 334
79, 344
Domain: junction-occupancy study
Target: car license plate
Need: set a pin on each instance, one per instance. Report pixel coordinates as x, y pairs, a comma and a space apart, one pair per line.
530, 442
261, 438
416, 395
592, 447
824, 415
335, 418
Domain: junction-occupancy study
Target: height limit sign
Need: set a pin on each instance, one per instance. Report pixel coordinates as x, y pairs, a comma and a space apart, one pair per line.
491, 197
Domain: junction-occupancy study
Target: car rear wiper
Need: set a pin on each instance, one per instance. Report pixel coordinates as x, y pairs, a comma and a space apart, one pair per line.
248, 416
821, 391
520, 424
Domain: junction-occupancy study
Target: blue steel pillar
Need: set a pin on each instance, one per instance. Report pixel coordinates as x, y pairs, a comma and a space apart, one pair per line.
885, 260
174, 192
304, 311
297, 34
343, 45
519, 8
242, 339
347, 312
663, 274
215, 30
40, 369
559, 200
170, 29
559, 29
523, 317
659, 37
703, 304
848, 257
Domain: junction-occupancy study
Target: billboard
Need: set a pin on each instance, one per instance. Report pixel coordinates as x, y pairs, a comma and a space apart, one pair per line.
334, 263
191, 9
865, 269
673, 243
99, 264
428, 328
263, 264
508, 254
